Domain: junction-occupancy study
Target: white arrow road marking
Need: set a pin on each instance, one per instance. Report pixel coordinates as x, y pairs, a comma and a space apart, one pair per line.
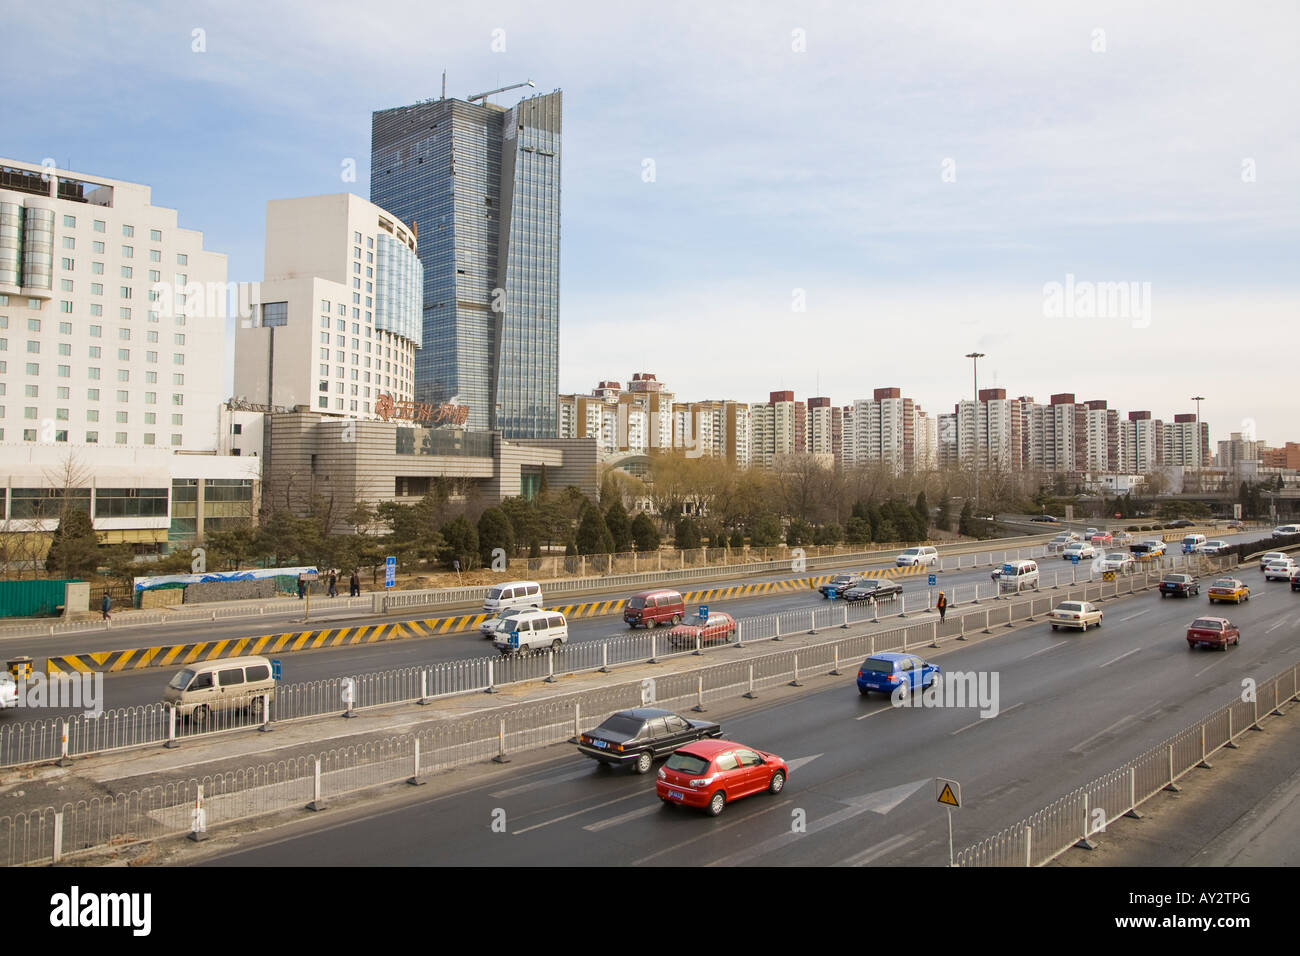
798, 762
713, 831
881, 802
1121, 657
578, 813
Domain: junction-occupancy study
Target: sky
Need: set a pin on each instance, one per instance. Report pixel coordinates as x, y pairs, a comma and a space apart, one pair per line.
824, 197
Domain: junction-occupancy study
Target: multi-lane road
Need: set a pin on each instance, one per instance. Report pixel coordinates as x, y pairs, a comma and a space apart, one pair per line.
142, 687
1070, 707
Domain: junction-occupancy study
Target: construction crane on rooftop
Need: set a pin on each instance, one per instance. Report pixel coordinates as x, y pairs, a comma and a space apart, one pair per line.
484, 96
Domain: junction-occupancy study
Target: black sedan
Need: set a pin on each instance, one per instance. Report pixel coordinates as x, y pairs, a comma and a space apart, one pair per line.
635, 738
873, 590
840, 583
1179, 585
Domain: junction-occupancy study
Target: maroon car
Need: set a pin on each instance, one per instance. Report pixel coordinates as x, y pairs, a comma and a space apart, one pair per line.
1212, 632
718, 629
654, 607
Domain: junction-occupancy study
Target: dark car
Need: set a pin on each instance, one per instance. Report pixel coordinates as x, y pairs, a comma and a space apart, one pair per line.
1179, 585
634, 738
1181, 523
1045, 518
873, 589
840, 583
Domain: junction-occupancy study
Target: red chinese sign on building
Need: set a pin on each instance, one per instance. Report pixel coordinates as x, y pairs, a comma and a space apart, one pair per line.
420, 412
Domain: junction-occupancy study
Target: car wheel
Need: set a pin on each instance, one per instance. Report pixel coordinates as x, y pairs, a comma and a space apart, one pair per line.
777, 783
863, 691
644, 761
665, 803
199, 715
716, 803
650, 624
1053, 627
556, 644
256, 709
677, 619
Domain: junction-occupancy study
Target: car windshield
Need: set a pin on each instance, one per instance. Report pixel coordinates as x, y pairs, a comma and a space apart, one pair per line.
1225, 583
183, 678
493, 593
1069, 606
636, 602
866, 585
687, 763
1174, 578
1117, 556
878, 667
620, 724
1205, 624
912, 551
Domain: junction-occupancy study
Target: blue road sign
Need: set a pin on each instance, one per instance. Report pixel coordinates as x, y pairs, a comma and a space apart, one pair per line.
390, 572
276, 671
514, 639
831, 593
934, 579
704, 611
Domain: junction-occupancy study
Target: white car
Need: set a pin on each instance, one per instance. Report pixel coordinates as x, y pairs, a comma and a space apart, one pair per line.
1058, 543
1146, 550
1280, 570
1272, 556
1282, 530
924, 557
1213, 547
1079, 551
489, 627
1123, 538
8, 691
1120, 561
1078, 614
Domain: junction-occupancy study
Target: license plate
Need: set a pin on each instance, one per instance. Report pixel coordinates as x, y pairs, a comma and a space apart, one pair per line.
600, 743
676, 795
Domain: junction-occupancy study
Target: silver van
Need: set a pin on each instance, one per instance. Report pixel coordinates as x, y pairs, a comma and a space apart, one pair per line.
522, 594
534, 630
1017, 575
205, 689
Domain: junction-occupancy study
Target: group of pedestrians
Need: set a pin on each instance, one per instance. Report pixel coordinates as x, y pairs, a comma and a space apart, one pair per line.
354, 585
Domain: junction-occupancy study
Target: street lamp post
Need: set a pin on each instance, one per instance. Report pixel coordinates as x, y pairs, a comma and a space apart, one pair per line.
975, 358
1198, 399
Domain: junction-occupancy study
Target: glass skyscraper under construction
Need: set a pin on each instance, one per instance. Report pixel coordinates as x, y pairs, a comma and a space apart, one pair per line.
480, 184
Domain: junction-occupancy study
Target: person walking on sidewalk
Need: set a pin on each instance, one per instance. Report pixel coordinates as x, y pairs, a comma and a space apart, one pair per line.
334, 584
942, 605
354, 584
104, 605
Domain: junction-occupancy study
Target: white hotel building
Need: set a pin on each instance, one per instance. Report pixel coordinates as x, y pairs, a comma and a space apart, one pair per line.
112, 347
338, 317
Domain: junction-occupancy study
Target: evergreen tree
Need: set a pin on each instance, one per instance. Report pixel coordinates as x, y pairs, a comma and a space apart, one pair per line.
620, 528
737, 539
74, 548
966, 523
494, 531
686, 535
593, 534
767, 531
923, 513
459, 543
944, 520
644, 533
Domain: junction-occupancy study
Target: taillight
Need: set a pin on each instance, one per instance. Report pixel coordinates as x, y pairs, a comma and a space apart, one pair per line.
862, 673
892, 678
585, 739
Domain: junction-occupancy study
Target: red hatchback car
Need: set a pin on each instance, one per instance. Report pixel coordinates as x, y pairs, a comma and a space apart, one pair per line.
719, 627
1212, 632
712, 773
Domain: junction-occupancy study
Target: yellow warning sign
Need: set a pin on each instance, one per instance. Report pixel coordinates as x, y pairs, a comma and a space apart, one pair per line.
949, 792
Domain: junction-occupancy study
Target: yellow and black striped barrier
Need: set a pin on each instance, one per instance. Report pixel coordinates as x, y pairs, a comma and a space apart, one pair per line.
177, 655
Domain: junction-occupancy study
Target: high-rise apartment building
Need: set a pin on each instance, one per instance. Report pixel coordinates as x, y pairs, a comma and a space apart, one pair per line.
634, 420
481, 186
336, 324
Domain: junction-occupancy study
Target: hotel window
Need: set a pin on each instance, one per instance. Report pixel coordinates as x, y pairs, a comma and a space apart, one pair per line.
96, 331
92, 373
65, 328
33, 347
92, 394
97, 268
29, 434
124, 355
325, 354
69, 222
121, 418
325, 340
65, 348
34, 304
356, 284
178, 358
128, 252
65, 371
324, 305
324, 370
339, 371
69, 242
124, 313
33, 325
370, 257
96, 352
324, 321
148, 437
182, 279
356, 237
124, 334
61, 435
151, 336
99, 225
151, 378
128, 272
97, 247
155, 235
179, 338
61, 414
29, 411
119, 438
150, 418
32, 391
92, 438
356, 313
182, 259
64, 393
370, 242
125, 291
323, 386
68, 264
92, 414
343, 309
65, 307
128, 232
178, 398
151, 357
154, 276
65, 285
356, 267
151, 398
322, 402
123, 375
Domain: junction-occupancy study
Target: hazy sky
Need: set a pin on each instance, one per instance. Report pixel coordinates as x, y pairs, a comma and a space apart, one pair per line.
844, 196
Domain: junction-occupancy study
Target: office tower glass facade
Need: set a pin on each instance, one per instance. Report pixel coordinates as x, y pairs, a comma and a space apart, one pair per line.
482, 186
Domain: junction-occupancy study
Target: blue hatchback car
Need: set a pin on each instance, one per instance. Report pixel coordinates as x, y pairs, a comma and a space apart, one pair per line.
887, 672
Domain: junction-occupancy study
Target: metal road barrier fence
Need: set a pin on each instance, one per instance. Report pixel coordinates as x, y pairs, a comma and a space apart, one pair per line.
195, 805
37, 741
1076, 818
289, 641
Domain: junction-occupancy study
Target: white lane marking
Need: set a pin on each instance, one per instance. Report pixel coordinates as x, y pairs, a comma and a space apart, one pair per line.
1044, 650
985, 720
1281, 623
1121, 657
1078, 748
622, 818
880, 849
562, 778
798, 762
776, 842
1204, 669
882, 710
578, 813
712, 832
1131, 616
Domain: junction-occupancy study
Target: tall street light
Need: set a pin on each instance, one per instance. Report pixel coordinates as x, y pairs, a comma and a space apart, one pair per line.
1198, 399
975, 359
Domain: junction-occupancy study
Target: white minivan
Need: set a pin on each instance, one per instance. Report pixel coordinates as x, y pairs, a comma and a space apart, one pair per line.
522, 594
1017, 575
924, 557
536, 630
1193, 543
1282, 530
